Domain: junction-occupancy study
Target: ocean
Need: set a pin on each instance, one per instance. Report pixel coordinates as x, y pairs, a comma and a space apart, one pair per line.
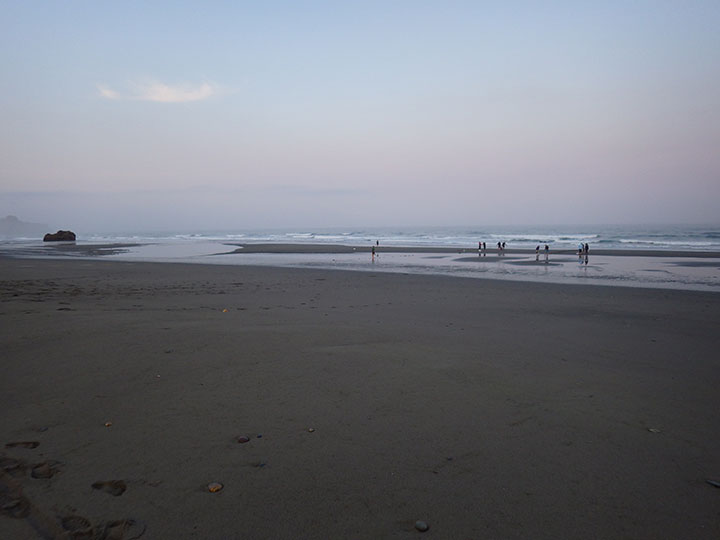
694, 270
676, 237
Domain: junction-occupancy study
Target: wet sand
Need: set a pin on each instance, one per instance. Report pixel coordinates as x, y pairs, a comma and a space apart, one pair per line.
71, 249
339, 248
488, 409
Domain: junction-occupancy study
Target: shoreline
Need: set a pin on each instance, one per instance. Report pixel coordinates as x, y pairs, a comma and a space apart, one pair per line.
340, 248
111, 248
486, 408
630, 268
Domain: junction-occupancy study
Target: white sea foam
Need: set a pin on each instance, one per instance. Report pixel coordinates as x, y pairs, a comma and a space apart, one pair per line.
608, 237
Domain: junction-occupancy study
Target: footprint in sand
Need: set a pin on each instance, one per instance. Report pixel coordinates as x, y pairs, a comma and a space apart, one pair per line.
12, 503
113, 487
22, 444
16, 508
12, 466
78, 527
43, 470
123, 529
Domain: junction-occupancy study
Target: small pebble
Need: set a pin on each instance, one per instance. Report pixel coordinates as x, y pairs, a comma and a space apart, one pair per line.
421, 526
243, 440
311, 429
108, 424
214, 487
259, 436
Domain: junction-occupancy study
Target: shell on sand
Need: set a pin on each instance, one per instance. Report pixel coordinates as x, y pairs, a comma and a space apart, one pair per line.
214, 487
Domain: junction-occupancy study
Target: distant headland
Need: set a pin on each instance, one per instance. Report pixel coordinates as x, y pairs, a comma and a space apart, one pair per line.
12, 227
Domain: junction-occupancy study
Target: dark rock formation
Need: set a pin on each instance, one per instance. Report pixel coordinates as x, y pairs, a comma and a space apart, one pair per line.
60, 236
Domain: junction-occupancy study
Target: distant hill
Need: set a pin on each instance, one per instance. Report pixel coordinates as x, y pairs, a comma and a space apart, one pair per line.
12, 227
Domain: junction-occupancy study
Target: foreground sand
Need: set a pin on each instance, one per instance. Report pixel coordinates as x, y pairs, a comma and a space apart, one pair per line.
488, 409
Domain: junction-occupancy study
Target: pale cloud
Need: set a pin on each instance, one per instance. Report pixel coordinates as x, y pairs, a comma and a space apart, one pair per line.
107, 93
165, 93
161, 92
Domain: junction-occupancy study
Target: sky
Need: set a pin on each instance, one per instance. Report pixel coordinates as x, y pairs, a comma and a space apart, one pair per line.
244, 115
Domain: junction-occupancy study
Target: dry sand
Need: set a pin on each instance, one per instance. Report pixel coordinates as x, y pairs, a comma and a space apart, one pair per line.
488, 409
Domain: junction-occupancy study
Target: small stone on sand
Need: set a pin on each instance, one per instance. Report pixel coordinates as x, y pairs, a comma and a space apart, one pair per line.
243, 439
421, 526
108, 424
214, 487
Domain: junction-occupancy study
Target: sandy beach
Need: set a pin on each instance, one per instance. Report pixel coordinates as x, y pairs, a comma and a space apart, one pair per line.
487, 409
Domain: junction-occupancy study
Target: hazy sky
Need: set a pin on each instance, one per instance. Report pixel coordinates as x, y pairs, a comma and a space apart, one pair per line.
159, 115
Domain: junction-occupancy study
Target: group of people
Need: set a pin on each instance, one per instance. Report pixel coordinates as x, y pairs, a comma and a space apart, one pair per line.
547, 253
482, 248
583, 250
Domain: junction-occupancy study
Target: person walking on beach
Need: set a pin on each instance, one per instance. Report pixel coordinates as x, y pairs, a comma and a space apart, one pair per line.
547, 253
373, 254
479, 249
586, 249
484, 249
537, 252
499, 249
